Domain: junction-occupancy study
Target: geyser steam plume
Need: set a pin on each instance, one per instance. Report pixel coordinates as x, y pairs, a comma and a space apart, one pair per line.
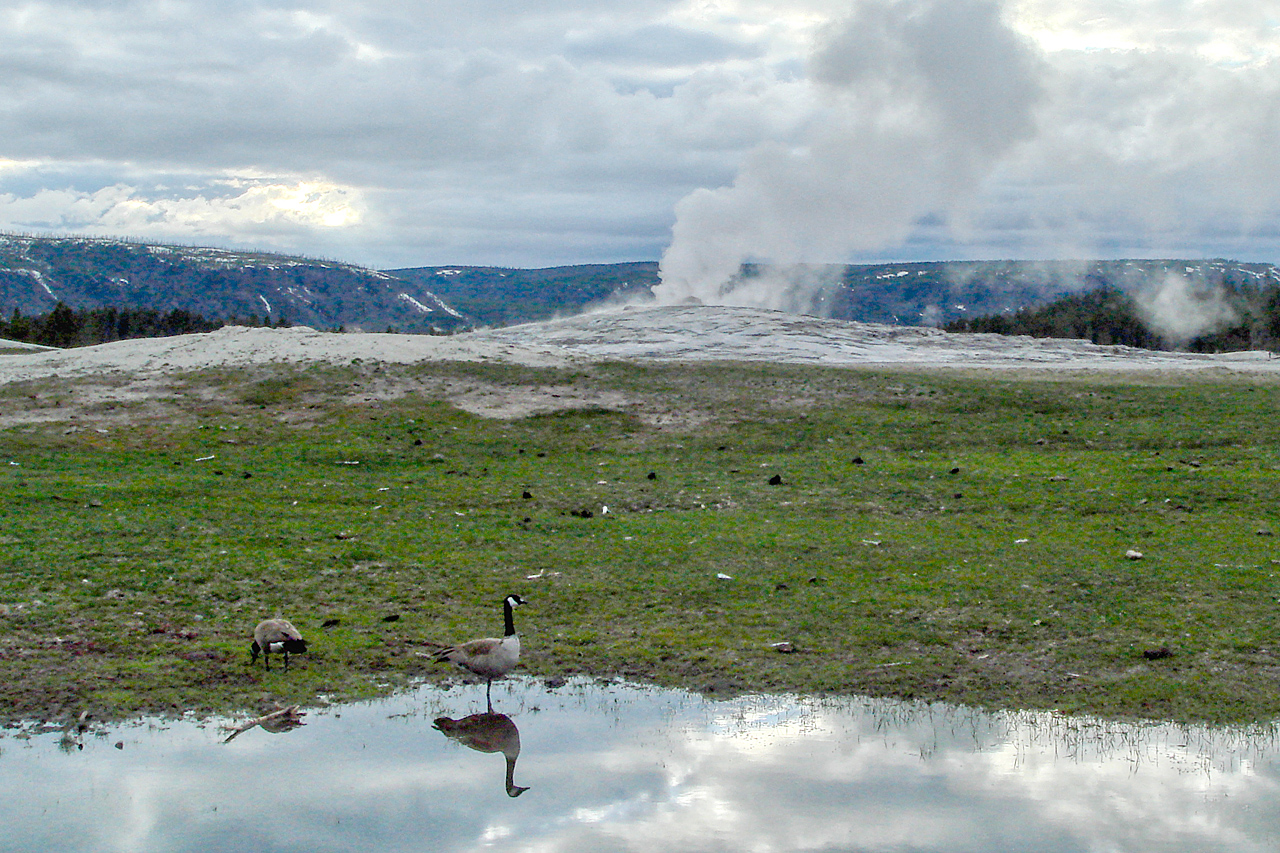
1179, 308
920, 101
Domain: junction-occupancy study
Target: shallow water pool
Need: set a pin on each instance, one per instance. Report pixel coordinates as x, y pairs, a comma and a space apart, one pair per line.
595, 766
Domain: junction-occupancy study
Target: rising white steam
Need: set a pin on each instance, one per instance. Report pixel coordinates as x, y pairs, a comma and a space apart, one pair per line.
921, 99
1179, 308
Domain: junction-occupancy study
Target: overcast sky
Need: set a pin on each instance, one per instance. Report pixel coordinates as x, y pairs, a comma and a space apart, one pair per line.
547, 132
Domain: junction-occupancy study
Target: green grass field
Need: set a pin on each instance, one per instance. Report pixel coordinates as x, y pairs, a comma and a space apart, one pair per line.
935, 536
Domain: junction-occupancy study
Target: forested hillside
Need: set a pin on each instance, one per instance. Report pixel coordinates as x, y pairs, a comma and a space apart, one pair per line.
1239, 318
497, 296
36, 273
1194, 304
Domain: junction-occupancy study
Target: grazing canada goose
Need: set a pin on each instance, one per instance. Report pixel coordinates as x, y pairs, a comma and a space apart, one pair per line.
487, 733
275, 635
490, 657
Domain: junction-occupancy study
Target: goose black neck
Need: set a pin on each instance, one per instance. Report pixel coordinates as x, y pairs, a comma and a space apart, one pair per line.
506, 612
513, 790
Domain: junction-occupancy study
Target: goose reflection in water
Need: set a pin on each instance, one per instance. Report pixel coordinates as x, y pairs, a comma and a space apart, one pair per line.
487, 732
278, 721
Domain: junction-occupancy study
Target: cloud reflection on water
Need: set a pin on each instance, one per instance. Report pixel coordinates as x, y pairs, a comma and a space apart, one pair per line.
615, 767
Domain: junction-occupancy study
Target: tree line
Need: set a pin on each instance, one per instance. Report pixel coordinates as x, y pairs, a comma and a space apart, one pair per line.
67, 327
1110, 316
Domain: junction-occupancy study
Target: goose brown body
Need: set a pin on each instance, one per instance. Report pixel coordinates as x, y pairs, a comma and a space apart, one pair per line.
275, 635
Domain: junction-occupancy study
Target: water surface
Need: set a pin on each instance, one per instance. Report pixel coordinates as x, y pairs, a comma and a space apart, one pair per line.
610, 766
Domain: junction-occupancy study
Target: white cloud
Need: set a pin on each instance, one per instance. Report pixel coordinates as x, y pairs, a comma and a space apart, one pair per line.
1221, 31
240, 208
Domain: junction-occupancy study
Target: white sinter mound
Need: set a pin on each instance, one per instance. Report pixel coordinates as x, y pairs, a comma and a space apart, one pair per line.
668, 333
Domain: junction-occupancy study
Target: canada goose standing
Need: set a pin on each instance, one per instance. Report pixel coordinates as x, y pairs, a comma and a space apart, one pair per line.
275, 635
491, 657
487, 733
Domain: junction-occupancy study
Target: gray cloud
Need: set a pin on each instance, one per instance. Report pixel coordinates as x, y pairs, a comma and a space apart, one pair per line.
1155, 152
659, 45
464, 131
